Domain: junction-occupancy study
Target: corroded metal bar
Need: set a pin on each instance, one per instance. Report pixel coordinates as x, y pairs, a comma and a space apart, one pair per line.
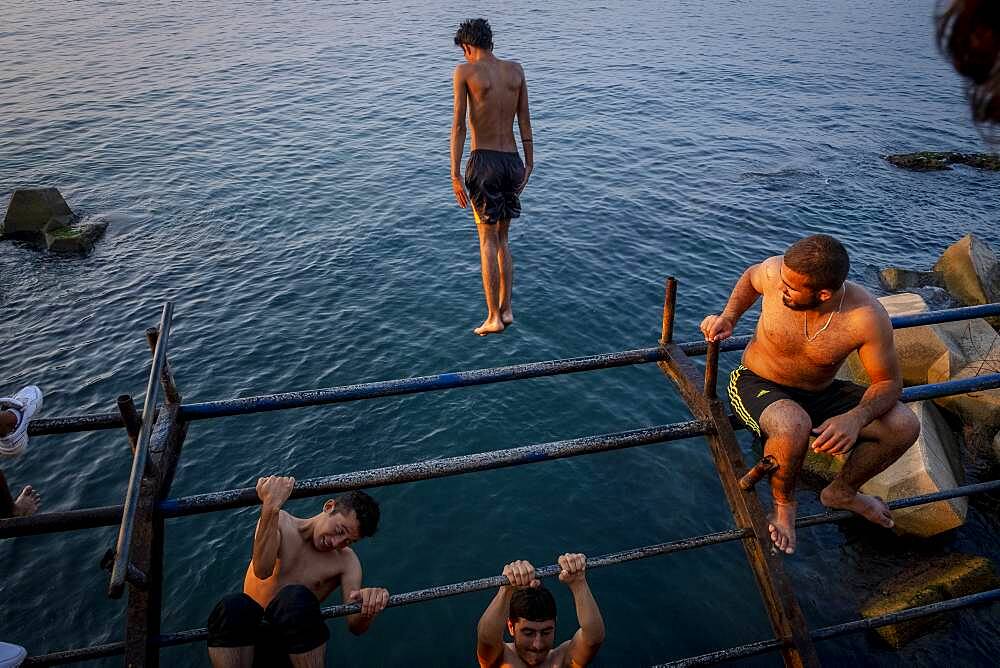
776, 590
669, 306
76, 655
443, 381
827, 632
439, 468
711, 369
124, 544
130, 418
767, 465
166, 375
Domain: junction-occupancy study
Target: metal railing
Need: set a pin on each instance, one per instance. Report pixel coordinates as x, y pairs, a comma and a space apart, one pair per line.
170, 425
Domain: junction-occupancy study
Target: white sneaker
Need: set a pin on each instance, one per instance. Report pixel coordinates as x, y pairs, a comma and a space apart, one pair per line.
24, 404
11, 655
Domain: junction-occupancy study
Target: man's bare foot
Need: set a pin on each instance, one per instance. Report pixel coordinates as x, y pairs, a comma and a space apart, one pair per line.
872, 508
507, 317
27, 502
781, 524
489, 326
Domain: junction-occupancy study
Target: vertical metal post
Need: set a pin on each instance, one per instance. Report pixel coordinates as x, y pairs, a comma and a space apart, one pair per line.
6, 500
667, 328
166, 375
711, 369
130, 417
780, 602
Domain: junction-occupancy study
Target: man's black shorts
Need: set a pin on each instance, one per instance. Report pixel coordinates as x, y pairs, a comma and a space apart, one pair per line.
750, 395
492, 178
291, 624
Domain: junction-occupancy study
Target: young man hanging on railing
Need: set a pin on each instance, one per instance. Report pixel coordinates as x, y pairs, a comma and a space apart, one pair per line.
528, 612
296, 564
785, 389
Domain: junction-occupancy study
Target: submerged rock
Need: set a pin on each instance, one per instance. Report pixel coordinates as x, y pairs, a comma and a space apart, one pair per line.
76, 239
930, 161
33, 211
895, 278
928, 581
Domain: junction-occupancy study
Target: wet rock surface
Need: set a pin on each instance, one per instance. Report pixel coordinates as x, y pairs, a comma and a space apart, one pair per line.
931, 161
926, 582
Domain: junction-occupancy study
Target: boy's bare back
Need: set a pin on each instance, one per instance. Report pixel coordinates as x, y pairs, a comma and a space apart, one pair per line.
494, 89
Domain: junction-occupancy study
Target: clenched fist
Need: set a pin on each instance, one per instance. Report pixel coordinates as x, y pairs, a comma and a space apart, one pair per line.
716, 327
573, 568
274, 490
521, 574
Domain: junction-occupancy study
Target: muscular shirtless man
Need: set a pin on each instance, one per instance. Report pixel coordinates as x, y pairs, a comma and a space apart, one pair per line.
529, 613
296, 563
492, 92
811, 319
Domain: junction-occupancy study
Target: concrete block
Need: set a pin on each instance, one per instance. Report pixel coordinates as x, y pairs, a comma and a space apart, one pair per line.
925, 582
32, 210
932, 464
970, 271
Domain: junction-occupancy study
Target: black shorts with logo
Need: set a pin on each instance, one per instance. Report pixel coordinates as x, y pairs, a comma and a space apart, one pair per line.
492, 178
750, 395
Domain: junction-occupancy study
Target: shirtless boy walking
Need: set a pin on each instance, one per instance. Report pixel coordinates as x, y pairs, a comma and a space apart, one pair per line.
491, 92
784, 391
296, 564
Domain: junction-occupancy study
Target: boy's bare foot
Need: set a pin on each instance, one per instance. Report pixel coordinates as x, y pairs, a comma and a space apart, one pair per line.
489, 326
506, 316
27, 502
781, 524
872, 508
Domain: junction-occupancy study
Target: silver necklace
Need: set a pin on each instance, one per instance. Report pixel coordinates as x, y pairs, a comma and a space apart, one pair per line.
805, 320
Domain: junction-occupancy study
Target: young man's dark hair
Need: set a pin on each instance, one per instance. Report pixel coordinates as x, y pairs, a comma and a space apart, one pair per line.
968, 33
364, 506
534, 604
475, 32
822, 258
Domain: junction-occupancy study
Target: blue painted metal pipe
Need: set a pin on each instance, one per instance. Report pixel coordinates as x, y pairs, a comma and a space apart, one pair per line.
443, 381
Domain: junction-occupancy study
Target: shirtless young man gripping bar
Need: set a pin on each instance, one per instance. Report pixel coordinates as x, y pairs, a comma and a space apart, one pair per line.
492, 92
784, 391
296, 563
528, 612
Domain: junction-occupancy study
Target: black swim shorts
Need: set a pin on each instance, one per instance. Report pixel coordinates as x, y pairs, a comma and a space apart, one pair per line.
750, 395
492, 178
291, 624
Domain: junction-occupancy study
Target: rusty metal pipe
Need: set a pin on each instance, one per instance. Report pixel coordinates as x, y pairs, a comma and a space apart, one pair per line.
669, 302
130, 418
766, 466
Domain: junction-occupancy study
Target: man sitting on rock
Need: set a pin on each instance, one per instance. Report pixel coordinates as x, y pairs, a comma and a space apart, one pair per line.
529, 613
784, 391
296, 563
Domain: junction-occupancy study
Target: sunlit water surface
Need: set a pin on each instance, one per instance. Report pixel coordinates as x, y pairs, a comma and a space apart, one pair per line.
280, 171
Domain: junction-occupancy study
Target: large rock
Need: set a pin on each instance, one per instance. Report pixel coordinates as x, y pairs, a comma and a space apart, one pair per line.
944, 346
932, 464
77, 239
970, 271
33, 211
928, 581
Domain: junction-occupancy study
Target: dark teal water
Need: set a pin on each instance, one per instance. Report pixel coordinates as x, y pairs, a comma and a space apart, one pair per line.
280, 171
